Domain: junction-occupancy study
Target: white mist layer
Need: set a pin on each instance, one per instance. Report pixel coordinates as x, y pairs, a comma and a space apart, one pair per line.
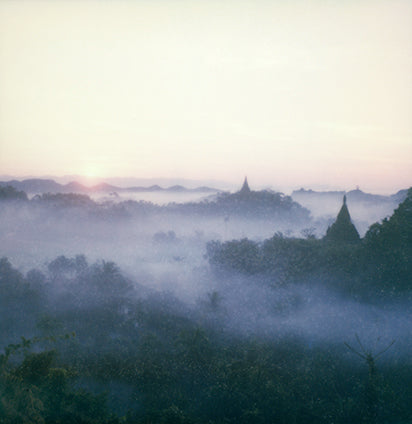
167, 254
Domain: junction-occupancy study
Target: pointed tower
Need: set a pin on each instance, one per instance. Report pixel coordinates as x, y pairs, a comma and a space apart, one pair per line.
342, 230
245, 188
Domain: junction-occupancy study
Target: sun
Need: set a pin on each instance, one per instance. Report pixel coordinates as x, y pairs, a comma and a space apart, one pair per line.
91, 172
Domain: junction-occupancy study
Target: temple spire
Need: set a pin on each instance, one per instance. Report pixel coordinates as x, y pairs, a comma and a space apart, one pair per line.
245, 188
343, 230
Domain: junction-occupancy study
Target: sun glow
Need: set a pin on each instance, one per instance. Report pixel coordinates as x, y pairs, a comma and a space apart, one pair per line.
91, 172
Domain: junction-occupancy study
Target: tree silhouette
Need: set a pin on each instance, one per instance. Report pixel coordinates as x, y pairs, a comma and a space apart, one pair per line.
372, 398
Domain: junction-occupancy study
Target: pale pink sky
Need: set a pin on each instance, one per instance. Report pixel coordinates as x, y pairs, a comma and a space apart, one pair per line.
291, 93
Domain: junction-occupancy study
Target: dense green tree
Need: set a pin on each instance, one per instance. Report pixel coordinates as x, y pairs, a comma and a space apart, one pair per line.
10, 193
35, 391
388, 250
241, 256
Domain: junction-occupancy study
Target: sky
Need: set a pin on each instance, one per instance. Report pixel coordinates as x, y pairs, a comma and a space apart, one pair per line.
295, 93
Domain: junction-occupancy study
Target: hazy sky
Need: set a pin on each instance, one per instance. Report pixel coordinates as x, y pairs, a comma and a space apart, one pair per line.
291, 93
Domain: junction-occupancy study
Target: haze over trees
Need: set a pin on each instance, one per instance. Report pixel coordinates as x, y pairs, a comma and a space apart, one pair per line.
110, 316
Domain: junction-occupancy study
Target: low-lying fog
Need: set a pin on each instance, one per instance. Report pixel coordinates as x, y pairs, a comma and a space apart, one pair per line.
157, 197
167, 253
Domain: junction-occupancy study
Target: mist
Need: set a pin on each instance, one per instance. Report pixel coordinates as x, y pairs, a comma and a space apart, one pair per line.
161, 259
166, 251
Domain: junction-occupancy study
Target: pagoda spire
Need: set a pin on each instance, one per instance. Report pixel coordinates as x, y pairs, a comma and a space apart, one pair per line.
245, 188
343, 230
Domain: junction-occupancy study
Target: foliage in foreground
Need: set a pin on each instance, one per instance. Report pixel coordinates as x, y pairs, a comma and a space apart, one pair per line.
147, 358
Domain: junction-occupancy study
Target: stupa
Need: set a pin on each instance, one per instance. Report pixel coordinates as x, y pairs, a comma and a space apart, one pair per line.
343, 230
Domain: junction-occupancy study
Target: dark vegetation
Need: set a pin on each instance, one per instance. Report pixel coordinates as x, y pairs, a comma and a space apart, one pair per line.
256, 204
83, 343
261, 204
10, 193
379, 265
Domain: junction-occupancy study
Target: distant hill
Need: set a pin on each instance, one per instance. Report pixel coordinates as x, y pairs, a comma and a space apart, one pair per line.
40, 186
400, 196
353, 195
34, 185
327, 202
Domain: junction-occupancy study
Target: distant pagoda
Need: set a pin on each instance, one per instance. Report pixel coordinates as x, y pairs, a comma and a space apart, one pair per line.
245, 188
343, 230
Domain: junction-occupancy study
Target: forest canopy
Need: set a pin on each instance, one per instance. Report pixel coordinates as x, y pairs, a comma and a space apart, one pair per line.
86, 342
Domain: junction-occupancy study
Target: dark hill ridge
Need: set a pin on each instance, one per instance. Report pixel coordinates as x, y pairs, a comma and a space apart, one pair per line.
34, 185
352, 195
73, 187
39, 186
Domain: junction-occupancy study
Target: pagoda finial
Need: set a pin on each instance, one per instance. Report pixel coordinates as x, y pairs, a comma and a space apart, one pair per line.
343, 230
245, 188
